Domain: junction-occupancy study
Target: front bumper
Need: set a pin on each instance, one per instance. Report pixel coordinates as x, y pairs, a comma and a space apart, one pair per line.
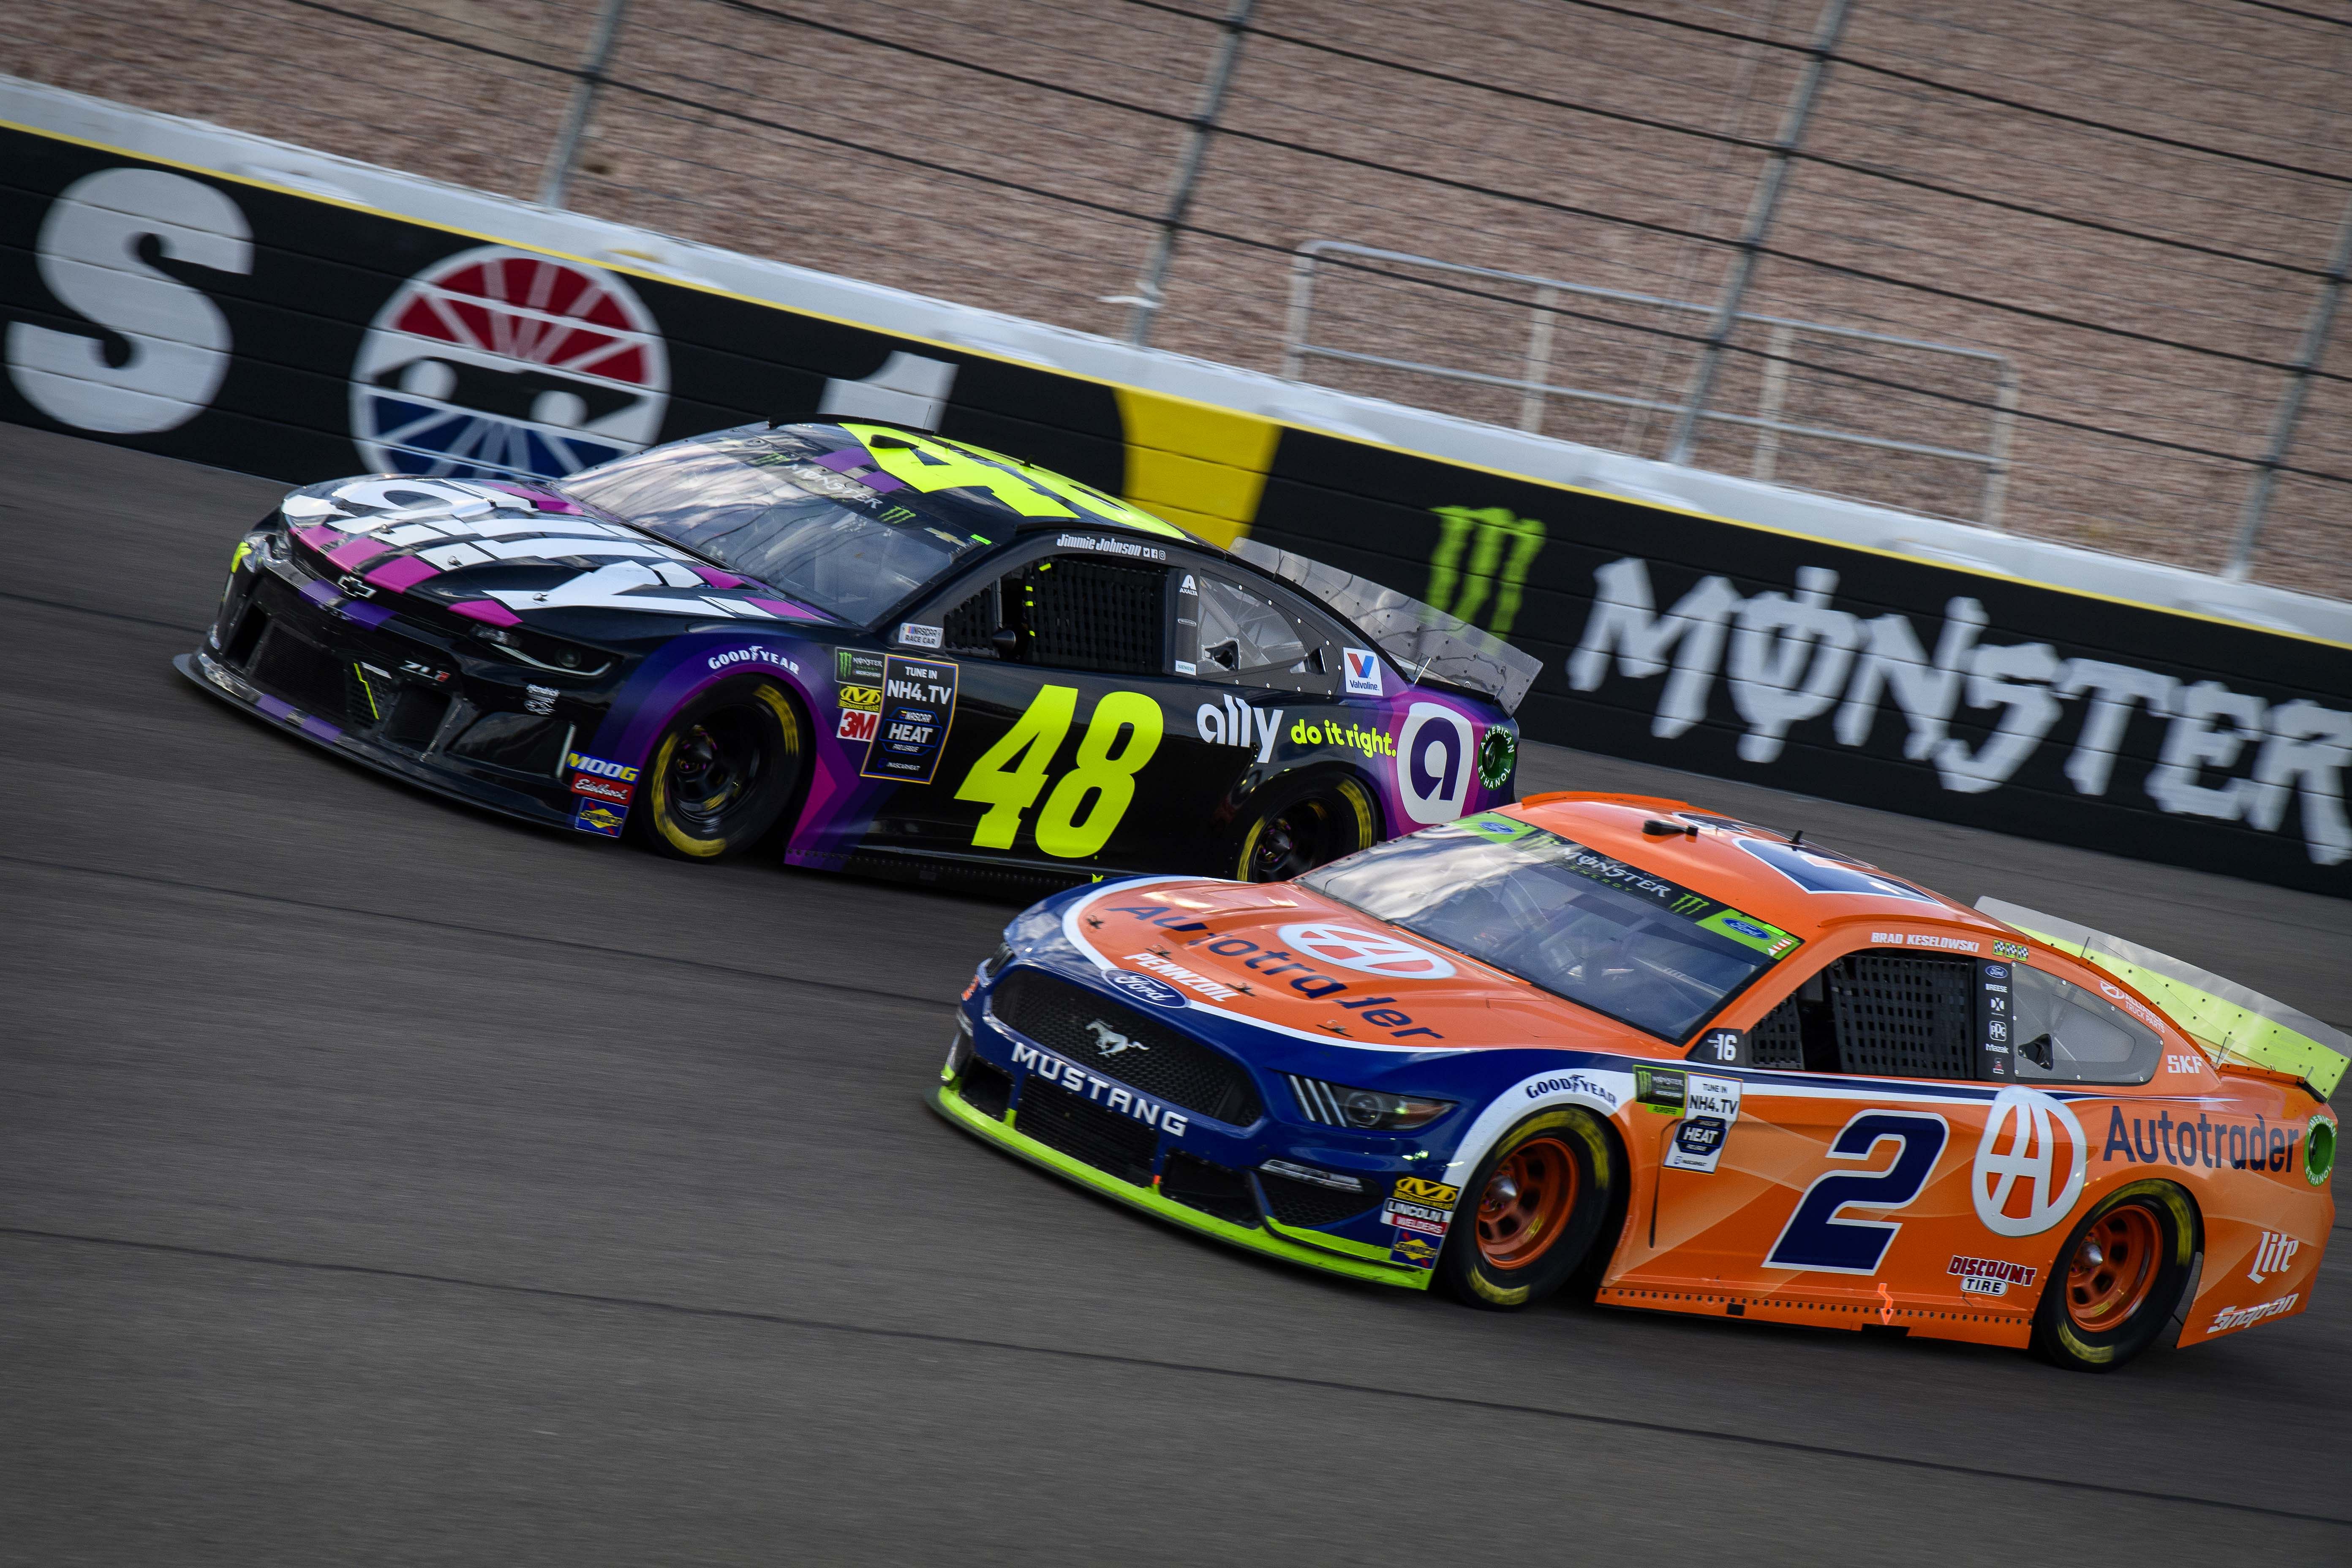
1268, 1237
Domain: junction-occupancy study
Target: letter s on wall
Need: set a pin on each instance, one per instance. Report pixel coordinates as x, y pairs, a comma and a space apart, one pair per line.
88, 258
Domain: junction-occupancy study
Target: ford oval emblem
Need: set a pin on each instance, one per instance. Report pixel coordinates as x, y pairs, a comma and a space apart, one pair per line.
1144, 988
1996, 971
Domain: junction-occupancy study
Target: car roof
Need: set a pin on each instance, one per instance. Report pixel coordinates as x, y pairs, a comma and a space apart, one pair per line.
1803, 888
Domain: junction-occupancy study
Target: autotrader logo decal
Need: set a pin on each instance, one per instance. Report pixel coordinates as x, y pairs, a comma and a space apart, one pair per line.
1370, 952
2019, 1159
500, 363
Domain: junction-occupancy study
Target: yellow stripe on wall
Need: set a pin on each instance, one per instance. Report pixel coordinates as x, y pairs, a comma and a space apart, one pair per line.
1201, 468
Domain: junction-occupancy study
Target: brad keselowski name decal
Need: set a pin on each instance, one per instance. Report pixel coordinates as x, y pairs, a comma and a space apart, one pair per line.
1101, 1090
1380, 1012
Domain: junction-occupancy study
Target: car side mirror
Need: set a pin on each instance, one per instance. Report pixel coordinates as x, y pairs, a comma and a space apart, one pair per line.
1005, 641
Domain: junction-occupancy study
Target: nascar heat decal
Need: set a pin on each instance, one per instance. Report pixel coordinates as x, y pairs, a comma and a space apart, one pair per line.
499, 363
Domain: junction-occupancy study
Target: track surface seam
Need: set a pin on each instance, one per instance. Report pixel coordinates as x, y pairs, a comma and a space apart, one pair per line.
1103, 1358
459, 927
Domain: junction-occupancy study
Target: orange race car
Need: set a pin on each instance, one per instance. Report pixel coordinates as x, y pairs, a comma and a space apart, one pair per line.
1674, 1061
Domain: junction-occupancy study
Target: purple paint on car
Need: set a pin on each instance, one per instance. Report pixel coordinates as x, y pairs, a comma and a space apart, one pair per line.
403, 575
365, 613
318, 593
787, 609
489, 610
354, 553
718, 579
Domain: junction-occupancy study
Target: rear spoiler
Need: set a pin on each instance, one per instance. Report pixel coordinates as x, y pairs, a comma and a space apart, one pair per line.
2231, 1022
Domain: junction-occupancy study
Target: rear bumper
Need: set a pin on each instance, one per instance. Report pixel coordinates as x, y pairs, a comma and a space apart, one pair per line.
1266, 1238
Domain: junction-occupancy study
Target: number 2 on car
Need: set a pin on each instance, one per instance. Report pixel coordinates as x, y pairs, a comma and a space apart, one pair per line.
1010, 775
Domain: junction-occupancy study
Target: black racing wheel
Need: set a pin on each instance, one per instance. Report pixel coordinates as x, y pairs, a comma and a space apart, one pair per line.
1294, 828
723, 773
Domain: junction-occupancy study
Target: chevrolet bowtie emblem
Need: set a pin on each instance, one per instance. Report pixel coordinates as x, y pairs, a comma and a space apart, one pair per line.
1109, 1042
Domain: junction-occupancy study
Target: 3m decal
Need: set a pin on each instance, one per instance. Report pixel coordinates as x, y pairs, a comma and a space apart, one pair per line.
1089, 800
1816, 1238
1434, 762
1363, 671
858, 725
1369, 951
2024, 1174
918, 706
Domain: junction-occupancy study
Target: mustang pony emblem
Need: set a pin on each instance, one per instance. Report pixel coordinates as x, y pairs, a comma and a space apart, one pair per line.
1109, 1042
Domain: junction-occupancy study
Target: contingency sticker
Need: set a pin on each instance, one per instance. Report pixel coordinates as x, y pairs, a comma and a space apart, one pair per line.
919, 696
1710, 1106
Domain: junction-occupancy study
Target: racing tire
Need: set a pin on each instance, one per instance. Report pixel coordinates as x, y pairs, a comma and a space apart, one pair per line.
723, 774
1532, 1213
1296, 827
2112, 1292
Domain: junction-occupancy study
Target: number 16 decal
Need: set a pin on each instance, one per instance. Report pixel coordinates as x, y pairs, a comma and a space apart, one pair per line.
1816, 1239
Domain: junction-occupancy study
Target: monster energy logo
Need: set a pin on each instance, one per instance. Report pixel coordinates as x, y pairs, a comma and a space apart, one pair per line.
1690, 901
1463, 590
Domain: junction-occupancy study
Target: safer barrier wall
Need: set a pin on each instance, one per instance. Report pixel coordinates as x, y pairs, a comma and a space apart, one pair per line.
225, 318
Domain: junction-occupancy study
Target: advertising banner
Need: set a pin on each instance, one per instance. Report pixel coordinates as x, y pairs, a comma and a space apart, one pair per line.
228, 321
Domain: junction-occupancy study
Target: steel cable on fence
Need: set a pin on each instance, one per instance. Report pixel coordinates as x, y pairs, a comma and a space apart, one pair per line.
1267, 246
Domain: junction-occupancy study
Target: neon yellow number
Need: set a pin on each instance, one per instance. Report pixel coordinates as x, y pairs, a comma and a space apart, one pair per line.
926, 463
1111, 779
1010, 774
1086, 498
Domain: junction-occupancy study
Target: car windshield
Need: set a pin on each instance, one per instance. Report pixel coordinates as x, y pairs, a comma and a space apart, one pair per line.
1601, 934
764, 505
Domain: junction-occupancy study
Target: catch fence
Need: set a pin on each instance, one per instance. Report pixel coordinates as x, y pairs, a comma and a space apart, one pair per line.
2067, 270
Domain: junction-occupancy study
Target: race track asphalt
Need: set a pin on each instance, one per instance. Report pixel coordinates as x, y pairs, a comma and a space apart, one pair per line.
383, 1182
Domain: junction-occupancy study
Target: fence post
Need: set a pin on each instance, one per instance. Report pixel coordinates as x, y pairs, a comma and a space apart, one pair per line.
2307, 360
1759, 219
1539, 330
1146, 300
566, 151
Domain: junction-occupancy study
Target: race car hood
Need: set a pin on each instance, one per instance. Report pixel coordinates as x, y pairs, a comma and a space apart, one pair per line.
1286, 959
497, 553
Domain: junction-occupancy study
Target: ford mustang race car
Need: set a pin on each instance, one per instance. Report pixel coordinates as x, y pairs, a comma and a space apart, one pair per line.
889, 650
1672, 1061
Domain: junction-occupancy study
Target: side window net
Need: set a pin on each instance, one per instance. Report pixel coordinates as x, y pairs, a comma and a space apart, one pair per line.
1899, 1016
1079, 614
1881, 1015
970, 628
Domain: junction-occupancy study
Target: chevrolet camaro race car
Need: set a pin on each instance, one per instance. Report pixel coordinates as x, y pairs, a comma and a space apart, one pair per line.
890, 651
1672, 1061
